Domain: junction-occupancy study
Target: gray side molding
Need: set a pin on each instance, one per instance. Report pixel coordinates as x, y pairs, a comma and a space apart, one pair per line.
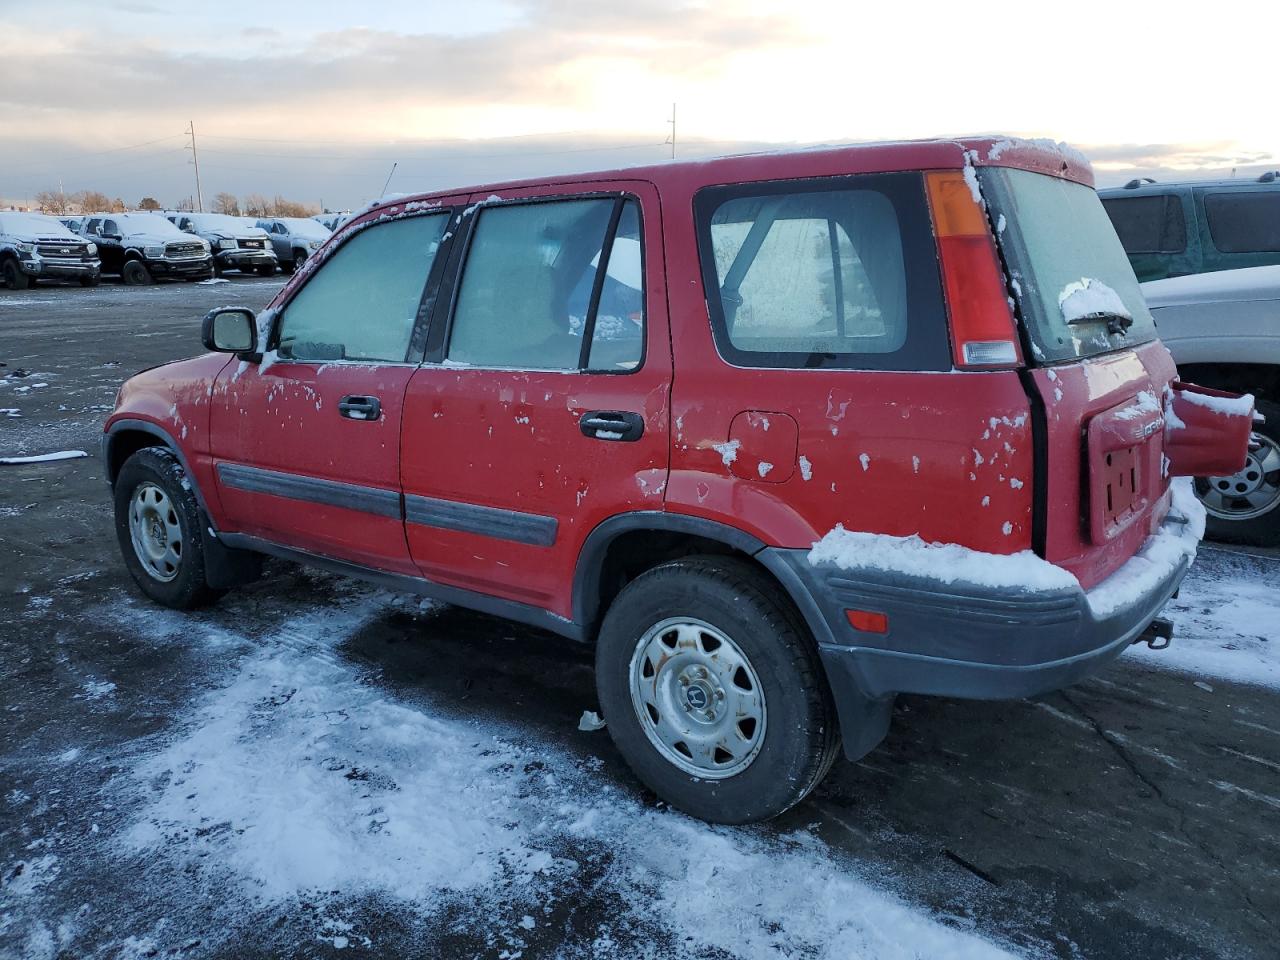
332, 493
530, 528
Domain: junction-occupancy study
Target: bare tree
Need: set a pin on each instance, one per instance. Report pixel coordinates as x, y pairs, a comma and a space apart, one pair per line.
149, 203
90, 201
256, 205
292, 208
52, 202
226, 203
118, 206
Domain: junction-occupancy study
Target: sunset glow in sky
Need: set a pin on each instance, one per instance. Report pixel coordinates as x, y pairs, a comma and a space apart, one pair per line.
325, 97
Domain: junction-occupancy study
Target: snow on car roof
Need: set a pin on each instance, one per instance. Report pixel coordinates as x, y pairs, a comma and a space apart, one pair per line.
33, 223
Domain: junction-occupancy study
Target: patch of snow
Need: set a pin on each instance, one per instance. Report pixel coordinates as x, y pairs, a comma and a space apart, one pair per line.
1240, 406
1144, 403
915, 464
945, 562
45, 457
728, 451
865, 461
590, 721
211, 281
1087, 297
763, 468
1159, 555
806, 468
1006, 528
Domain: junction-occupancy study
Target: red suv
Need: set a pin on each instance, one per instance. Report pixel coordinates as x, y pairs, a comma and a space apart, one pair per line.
781, 435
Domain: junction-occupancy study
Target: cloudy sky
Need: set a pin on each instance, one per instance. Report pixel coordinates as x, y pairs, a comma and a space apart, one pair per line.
316, 101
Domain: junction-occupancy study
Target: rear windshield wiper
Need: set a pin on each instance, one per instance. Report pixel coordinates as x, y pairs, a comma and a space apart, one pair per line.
1117, 323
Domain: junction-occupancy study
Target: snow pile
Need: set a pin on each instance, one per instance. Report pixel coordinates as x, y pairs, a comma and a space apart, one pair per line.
1144, 403
300, 778
946, 562
1087, 298
1161, 554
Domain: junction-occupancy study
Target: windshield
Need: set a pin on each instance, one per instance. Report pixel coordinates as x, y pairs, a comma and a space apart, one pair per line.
1075, 289
32, 224
307, 228
146, 223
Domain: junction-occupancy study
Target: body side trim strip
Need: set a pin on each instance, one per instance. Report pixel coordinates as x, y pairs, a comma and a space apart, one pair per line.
333, 493
530, 528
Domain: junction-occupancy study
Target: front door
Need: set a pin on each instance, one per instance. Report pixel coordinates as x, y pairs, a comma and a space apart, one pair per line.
306, 444
518, 439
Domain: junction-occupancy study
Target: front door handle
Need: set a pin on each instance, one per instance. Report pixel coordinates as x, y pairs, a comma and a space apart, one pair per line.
612, 425
360, 408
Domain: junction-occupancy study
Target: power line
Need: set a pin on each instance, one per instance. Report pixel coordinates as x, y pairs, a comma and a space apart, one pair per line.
461, 155
512, 136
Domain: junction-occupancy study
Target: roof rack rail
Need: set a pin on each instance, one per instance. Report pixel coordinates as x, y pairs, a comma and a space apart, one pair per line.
1136, 182
1271, 176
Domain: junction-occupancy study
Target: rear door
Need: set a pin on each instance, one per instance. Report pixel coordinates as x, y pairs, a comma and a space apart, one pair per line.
1098, 369
307, 443
518, 440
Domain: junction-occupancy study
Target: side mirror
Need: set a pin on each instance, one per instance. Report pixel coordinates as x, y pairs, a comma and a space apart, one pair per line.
230, 330
112, 236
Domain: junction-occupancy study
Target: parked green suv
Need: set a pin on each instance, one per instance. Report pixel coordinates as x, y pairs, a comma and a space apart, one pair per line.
1196, 226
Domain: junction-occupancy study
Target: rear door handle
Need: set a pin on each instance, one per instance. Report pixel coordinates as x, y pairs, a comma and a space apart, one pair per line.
612, 425
360, 408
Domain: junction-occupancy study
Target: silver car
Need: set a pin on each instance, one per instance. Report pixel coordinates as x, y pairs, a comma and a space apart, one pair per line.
294, 238
1223, 329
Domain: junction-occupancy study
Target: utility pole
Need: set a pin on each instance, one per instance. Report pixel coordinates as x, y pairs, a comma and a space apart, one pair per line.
672, 139
195, 158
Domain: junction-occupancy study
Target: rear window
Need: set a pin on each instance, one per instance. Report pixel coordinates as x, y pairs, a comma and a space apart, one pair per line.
1244, 222
1149, 224
1070, 275
836, 272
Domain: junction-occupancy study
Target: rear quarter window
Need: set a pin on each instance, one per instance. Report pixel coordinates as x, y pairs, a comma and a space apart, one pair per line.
831, 272
1149, 224
1244, 222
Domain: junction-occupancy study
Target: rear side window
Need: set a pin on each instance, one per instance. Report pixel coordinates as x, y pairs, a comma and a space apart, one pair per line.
1244, 222
838, 272
362, 304
1149, 224
552, 285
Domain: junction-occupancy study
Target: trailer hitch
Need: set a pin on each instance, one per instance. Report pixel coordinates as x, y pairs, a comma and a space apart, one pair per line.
1157, 635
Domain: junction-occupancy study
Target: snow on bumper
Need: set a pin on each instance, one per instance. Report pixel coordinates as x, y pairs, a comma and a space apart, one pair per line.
969, 624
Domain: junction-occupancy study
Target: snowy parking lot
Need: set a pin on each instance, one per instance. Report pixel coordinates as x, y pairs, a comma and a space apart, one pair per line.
316, 768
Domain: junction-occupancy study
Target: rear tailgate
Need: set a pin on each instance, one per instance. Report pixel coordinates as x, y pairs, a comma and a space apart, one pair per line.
1097, 366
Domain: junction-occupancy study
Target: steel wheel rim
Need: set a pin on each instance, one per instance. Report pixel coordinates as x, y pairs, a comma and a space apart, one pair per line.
156, 532
1249, 493
697, 697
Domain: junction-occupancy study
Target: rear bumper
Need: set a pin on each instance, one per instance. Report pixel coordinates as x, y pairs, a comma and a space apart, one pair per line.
964, 640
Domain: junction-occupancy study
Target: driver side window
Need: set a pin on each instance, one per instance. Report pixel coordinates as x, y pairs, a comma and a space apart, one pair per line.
362, 304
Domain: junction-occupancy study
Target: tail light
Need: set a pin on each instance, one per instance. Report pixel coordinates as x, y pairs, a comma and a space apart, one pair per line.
982, 329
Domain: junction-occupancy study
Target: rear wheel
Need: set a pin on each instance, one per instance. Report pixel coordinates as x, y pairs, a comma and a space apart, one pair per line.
1245, 507
14, 278
135, 273
299, 258
713, 690
158, 528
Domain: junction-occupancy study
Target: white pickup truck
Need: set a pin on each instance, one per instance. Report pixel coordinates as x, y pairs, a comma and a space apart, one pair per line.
1223, 330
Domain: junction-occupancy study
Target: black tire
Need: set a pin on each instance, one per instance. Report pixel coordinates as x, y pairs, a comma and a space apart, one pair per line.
14, 278
1262, 530
299, 258
88, 281
157, 467
135, 274
801, 737
217, 269
266, 270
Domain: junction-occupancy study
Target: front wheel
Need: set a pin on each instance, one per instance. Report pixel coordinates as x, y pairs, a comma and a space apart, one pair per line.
14, 278
713, 690
1245, 507
267, 270
135, 274
158, 528
88, 281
